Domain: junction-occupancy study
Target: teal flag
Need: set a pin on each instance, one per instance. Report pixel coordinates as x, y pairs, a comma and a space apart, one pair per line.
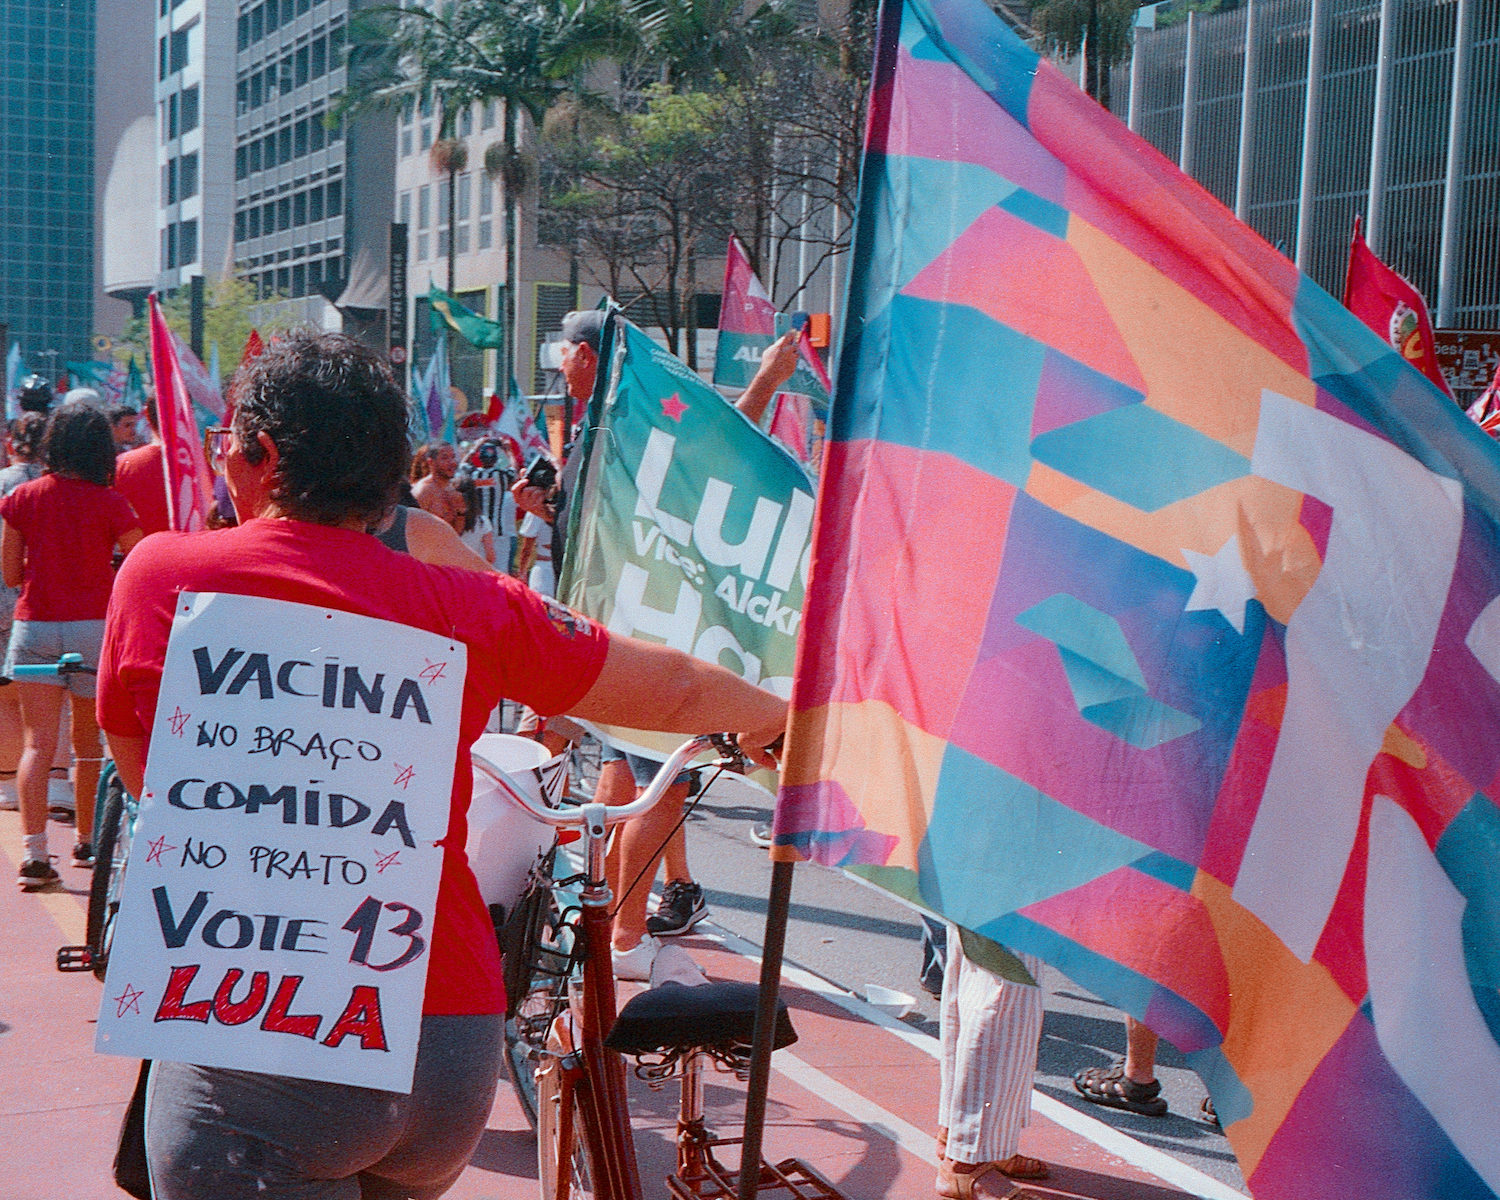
89, 374
737, 358
447, 313
688, 526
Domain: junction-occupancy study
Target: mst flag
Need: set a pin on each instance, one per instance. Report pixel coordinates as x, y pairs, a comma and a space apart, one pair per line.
689, 526
1155, 623
190, 489
1392, 307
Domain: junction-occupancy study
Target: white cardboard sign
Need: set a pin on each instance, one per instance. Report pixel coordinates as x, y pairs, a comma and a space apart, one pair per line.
278, 901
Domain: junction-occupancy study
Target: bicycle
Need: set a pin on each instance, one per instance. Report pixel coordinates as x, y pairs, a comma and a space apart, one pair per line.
114, 825
572, 1041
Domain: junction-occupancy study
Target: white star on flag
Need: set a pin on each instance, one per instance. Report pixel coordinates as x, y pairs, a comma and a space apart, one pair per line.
1222, 583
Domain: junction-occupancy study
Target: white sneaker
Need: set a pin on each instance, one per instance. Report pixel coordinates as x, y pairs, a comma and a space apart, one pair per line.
10, 799
635, 964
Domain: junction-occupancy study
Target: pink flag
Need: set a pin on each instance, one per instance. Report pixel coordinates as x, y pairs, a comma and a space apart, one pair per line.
746, 307
1485, 412
189, 486
809, 354
1392, 307
791, 424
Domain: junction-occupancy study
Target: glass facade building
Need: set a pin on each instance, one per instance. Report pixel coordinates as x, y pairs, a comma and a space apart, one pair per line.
47, 178
1301, 114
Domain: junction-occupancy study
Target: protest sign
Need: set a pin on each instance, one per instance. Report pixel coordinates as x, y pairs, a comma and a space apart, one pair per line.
692, 526
278, 900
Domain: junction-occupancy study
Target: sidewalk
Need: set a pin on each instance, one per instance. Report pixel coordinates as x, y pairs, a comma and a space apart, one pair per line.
855, 1097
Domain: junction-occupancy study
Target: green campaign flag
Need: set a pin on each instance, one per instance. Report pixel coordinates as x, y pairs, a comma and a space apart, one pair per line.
737, 358
135, 388
688, 526
447, 313
90, 374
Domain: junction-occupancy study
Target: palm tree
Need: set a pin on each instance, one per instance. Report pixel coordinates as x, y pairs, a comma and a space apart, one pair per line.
522, 53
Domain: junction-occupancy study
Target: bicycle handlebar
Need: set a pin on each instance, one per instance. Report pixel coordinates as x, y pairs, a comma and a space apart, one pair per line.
68, 664
614, 814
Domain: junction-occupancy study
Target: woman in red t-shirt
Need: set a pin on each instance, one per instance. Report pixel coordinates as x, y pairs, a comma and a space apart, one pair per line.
58, 546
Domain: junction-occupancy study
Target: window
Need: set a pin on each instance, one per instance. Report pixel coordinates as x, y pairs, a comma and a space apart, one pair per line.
188, 176
253, 221
315, 275
241, 162
284, 144
303, 6
255, 92
169, 182
239, 226
187, 243
335, 131
442, 203
268, 285
487, 118
242, 97
466, 121
273, 15
268, 219
406, 143
299, 209
161, 73
486, 212
424, 206
283, 213
316, 131
335, 47
403, 208
319, 57
257, 23
422, 245
286, 74
169, 246
242, 33
171, 117
189, 110
335, 198
283, 280
255, 156
315, 204
299, 280
299, 138
179, 51
465, 190
301, 68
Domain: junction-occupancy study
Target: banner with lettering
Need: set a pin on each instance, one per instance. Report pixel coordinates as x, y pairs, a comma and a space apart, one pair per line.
691, 526
278, 899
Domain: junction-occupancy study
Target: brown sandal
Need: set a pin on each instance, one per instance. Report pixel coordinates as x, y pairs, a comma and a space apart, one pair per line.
1019, 1166
953, 1184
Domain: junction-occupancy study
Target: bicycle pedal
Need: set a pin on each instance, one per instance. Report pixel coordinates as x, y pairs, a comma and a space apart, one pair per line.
75, 958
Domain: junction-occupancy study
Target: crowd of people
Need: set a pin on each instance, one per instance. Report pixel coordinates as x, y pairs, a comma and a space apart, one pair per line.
77, 496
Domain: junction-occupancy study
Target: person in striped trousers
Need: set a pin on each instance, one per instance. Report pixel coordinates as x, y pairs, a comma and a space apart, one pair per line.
990, 1031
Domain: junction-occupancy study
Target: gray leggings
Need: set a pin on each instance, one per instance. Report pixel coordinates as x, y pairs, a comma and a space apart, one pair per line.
215, 1134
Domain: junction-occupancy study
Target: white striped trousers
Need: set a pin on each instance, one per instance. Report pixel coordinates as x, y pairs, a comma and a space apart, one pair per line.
990, 1031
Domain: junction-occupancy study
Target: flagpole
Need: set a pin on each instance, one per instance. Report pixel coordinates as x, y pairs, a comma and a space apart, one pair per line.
778, 905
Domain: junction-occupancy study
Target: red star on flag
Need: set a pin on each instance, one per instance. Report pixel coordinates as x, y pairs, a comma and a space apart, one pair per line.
178, 720
158, 848
128, 1001
674, 407
390, 860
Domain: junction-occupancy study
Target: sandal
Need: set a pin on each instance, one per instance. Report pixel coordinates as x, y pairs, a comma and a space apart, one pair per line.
1109, 1086
1020, 1166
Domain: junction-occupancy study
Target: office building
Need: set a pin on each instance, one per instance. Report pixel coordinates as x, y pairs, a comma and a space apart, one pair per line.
1301, 114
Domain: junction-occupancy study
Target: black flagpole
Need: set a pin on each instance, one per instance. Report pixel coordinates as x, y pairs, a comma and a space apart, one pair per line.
777, 905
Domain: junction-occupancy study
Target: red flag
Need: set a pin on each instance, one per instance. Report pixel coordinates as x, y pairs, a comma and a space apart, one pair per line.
1485, 412
809, 354
190, 490
1390, 306
791, 424
253, 347
746, 308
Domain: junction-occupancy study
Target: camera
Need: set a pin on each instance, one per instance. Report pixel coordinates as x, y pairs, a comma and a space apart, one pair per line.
541, 472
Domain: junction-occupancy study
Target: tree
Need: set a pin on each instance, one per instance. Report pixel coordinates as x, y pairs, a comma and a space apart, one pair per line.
228, 317
1097, 29
523, 53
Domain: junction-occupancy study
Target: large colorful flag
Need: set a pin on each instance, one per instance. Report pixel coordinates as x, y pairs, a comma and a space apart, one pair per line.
689, 526
190, 490
1392, 307
202, 385
445, 313
516, 420
1154, 624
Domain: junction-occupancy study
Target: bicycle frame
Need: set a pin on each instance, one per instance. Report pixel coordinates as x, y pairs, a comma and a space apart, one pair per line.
593, 1077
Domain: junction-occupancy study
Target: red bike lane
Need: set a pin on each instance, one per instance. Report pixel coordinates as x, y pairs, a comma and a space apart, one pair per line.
855, 1098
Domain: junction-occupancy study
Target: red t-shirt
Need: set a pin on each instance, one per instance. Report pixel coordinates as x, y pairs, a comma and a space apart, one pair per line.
520, 646
141, 477
70, 529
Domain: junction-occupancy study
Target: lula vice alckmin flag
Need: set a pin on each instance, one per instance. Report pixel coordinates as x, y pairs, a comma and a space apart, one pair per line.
689, 526
1154, 624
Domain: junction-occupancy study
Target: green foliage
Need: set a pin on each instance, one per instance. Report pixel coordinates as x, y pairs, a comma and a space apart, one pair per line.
227, 320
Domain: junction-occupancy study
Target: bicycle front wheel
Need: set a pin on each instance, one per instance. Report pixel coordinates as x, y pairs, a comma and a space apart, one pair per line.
562, 1158
112, 838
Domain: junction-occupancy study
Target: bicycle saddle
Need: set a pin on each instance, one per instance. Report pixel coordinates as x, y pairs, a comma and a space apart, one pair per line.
674, 1017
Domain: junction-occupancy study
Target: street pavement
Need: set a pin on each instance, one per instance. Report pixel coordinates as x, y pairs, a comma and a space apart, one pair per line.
855, 1097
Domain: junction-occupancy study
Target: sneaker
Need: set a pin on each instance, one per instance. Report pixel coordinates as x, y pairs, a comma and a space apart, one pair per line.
9, 800
635, 964
760, 833
680, 909
36, 875
83, 855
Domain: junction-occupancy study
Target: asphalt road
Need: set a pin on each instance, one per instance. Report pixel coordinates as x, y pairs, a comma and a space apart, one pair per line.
852, 935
